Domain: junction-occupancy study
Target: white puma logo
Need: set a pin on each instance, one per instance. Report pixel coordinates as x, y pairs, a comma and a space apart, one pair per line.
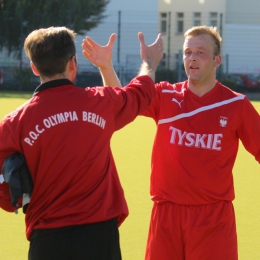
176, 101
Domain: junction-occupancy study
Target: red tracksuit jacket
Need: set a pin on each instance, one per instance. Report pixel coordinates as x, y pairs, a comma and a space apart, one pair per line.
64, 132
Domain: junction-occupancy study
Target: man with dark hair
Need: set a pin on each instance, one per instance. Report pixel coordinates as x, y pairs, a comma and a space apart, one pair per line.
64, 133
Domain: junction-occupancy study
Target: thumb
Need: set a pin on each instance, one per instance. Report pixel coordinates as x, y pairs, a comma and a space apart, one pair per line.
159, 38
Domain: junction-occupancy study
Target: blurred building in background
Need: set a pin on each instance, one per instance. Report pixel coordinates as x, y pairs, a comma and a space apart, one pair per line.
126, 19
238, 22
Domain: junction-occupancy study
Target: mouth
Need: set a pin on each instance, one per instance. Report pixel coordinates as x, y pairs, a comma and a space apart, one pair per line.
194, 67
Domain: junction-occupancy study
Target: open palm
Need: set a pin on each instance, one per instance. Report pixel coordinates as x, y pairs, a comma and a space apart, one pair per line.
98, 55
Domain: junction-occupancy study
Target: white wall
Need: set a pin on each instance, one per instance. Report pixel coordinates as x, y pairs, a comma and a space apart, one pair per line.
241, 43
243, 11
136, 15
133, 5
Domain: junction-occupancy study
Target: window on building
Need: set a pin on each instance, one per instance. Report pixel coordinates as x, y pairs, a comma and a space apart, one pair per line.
213, 19
163, 61
163, 18
180, 22
163, 27
164, 15
197, 19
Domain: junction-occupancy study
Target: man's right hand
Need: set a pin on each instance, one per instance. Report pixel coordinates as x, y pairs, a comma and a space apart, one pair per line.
150, 54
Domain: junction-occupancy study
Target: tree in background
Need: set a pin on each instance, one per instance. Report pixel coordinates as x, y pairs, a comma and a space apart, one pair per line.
19, 18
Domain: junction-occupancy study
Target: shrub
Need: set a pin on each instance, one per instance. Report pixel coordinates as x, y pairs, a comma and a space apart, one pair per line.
230, 83
166, 75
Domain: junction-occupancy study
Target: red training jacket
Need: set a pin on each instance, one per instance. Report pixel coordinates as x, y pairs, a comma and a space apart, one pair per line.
64, 133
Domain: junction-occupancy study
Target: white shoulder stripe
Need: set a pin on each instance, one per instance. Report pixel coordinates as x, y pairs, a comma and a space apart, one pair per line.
173, 91
201, 109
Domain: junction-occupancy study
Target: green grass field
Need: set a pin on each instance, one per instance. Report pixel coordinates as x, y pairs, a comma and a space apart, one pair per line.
132, 150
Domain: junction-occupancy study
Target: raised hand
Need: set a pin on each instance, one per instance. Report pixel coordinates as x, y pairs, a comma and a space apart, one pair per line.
98, 55
101, 57
152, 54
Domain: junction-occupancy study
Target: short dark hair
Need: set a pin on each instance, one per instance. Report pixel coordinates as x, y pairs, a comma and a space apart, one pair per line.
50, 49
209, 30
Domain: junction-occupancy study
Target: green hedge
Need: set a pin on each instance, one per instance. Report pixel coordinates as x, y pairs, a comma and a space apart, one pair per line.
230, 83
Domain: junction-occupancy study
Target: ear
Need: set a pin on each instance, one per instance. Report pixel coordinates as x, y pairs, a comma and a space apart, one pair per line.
72, 68
35, 71
72, 64
218, 60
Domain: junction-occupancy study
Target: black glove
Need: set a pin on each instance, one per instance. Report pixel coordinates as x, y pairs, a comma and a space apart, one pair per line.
17, 175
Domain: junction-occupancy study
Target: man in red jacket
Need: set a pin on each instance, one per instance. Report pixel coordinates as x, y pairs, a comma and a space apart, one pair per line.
64, 133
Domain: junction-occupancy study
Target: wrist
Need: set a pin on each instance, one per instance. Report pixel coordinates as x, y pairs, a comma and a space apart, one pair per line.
147, 69
106, 67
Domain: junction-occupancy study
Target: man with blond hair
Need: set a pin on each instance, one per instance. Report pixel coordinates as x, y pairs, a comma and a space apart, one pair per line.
199, 125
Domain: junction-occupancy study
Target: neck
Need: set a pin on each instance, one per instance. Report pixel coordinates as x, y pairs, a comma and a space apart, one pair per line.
199, 88
64, 75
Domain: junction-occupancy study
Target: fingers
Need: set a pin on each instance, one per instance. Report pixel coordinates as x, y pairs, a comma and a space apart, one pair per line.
111, 40
89, 41
159, 40
86, 53
97, 54
141, 38
153, 53
88, 44
87, 47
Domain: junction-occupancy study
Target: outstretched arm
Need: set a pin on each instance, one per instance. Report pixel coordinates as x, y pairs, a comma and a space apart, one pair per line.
101, 57
151, 55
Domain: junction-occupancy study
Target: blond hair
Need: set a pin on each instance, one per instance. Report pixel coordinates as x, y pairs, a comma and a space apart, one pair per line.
208, 30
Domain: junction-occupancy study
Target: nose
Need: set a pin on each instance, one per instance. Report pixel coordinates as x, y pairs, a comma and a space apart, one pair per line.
193, 57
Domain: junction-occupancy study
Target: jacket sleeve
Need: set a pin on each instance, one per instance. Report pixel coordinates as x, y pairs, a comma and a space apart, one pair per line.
153, 110
5, 197
249, 130
132, 100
